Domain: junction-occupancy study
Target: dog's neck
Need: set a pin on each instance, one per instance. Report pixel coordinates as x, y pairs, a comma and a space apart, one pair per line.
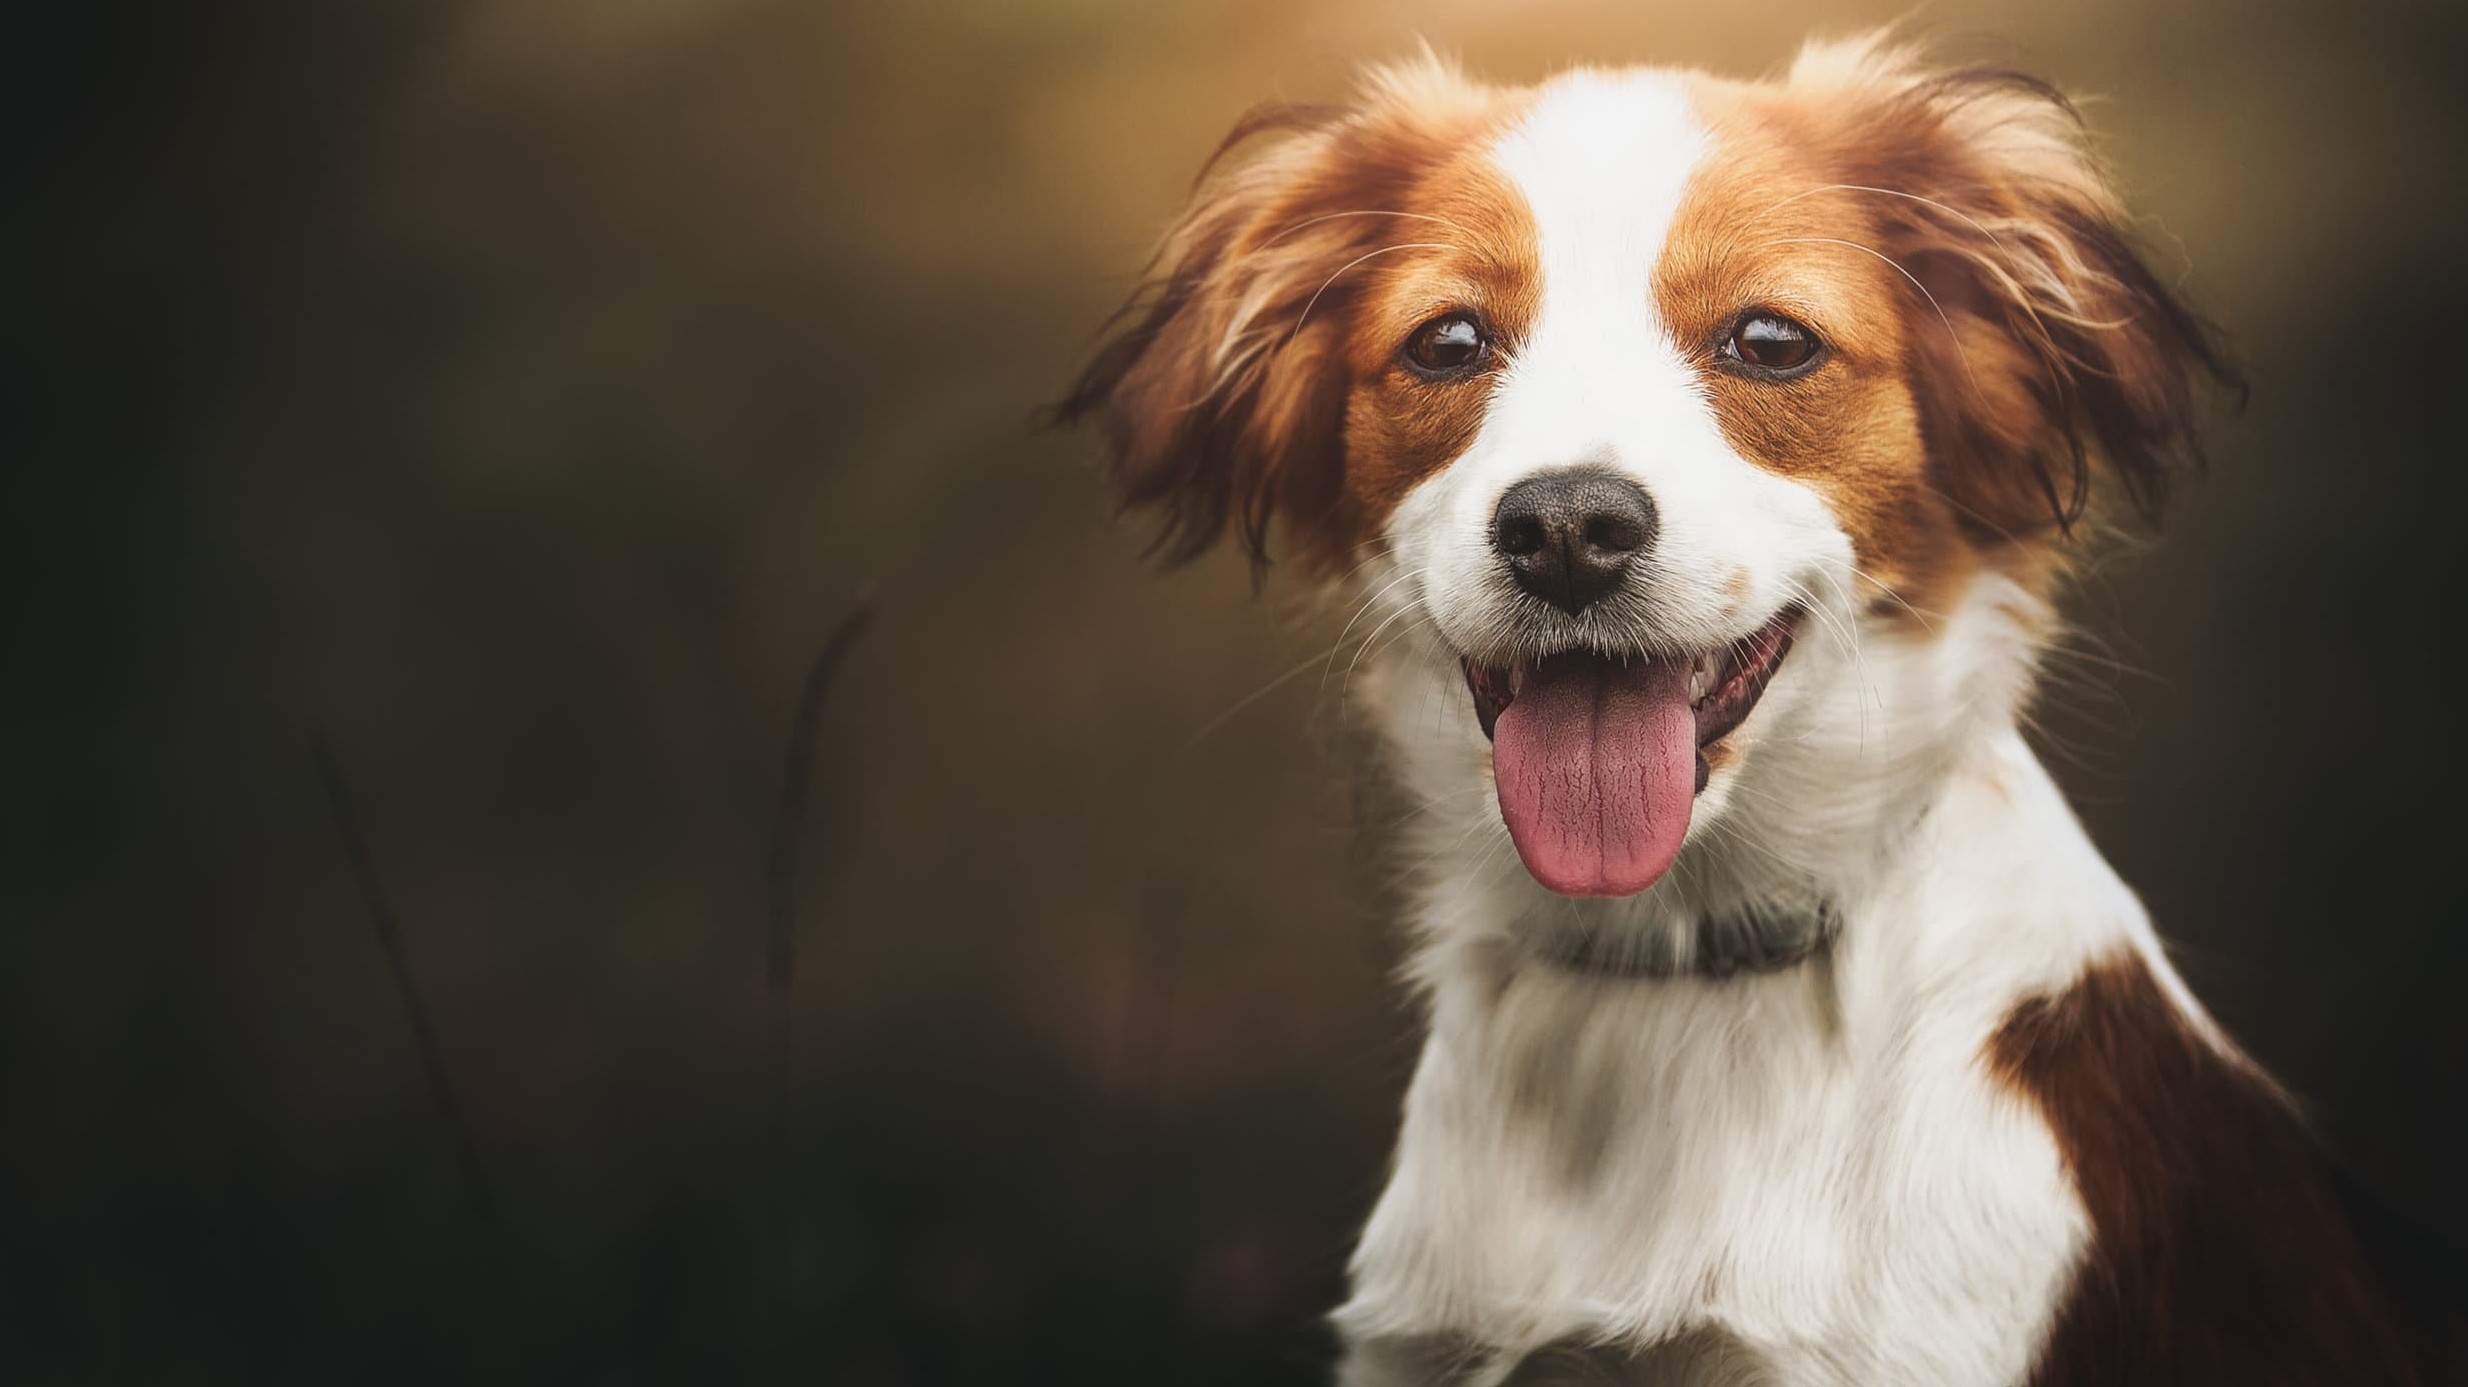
1751, 937
1705, 1118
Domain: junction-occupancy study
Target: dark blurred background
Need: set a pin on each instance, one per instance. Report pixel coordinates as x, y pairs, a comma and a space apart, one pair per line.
522, 390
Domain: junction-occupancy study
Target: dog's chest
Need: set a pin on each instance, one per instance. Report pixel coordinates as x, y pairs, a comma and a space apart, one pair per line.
1834, 1191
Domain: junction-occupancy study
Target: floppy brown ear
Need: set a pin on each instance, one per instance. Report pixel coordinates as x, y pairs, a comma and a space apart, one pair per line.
1222, 401
2051, 353
1224, 383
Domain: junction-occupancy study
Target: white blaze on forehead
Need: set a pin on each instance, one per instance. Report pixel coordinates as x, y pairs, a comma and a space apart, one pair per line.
1603, 160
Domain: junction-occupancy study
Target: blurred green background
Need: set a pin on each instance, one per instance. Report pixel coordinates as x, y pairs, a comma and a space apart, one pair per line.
522, 389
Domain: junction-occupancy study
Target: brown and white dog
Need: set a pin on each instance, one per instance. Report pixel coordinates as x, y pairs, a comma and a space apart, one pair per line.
1710, 455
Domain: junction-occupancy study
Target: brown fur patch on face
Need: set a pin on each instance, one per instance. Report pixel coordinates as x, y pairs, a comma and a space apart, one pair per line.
1758, 232
1257, 382
2224, 1248
1402, 426
1995, 339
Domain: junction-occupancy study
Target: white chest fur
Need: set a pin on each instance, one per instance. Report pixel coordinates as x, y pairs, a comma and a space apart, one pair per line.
1813, 1170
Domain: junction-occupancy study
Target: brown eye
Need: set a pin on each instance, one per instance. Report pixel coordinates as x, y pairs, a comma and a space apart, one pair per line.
1448, 345
1772, 344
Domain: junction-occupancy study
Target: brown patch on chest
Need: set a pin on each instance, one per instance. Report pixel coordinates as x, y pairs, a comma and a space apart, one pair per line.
2223, 1247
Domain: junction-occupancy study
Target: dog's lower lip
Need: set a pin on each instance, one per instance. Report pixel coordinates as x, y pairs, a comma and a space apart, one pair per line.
1735, 677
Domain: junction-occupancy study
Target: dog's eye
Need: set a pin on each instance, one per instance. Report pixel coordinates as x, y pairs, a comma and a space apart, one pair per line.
1772, 344
1448, 345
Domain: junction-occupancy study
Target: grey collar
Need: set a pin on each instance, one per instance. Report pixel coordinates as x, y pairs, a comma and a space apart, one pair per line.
1748, 939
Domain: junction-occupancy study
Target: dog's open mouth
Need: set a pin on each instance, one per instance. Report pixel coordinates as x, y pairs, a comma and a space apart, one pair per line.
1599, 760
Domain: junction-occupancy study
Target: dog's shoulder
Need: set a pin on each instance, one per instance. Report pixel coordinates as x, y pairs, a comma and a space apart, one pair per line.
2226, 1245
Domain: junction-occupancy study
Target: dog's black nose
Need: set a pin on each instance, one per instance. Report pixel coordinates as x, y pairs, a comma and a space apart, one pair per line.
1569, 535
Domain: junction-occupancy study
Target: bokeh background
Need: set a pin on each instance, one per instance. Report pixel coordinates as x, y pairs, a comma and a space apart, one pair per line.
521, 390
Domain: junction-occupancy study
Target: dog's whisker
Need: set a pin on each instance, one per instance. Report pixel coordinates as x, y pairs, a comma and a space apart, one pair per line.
1213, 725
1345, 685
1314, 300
1362, 610
1324, 217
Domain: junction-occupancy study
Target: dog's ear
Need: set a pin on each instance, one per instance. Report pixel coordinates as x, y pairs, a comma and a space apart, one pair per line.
1222, 381
2047, 350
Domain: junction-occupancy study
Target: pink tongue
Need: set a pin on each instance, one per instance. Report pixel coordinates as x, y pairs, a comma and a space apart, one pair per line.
1597, 770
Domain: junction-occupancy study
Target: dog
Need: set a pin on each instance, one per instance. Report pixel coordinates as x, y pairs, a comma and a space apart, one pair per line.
1711, 456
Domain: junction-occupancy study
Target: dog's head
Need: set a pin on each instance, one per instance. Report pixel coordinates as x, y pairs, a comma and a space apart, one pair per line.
1678, 424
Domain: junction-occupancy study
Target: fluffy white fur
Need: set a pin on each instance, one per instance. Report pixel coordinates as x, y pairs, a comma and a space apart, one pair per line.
1798, 1178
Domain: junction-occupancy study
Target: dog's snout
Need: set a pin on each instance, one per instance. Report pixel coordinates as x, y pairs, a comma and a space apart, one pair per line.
1569, 535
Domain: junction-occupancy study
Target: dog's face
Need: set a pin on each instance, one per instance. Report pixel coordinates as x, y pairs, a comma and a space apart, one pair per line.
1657, 411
